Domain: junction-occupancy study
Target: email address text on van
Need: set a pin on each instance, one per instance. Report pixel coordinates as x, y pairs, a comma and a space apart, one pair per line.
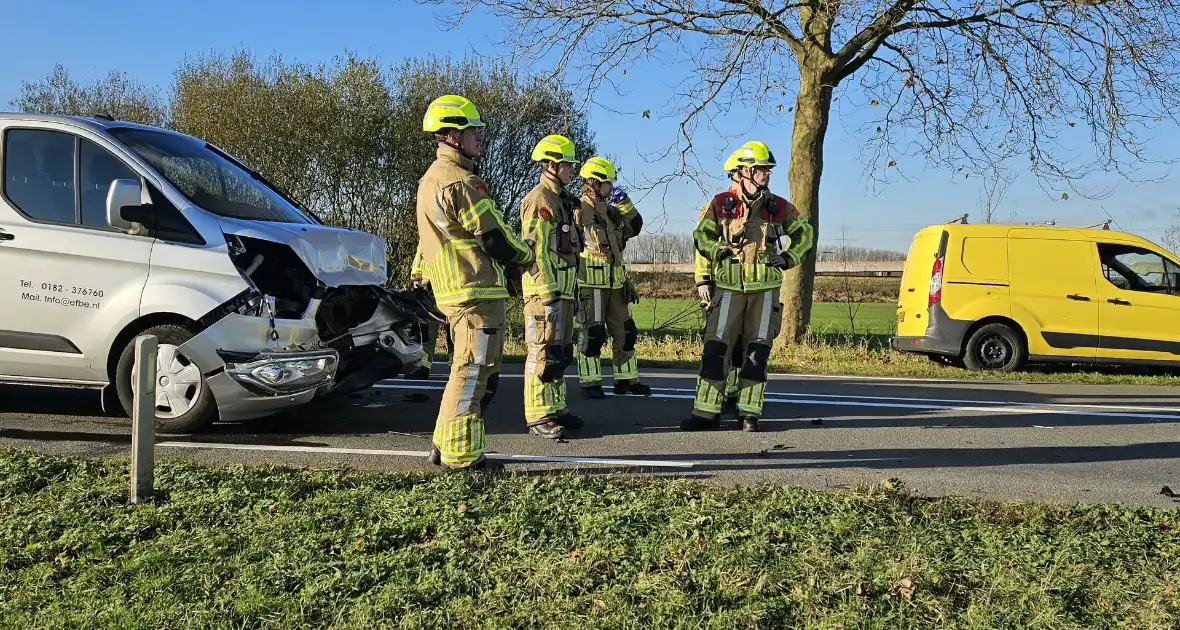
57, 295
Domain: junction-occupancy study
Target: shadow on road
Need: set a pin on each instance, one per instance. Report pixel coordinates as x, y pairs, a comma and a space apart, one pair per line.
786, 457
50, 401
64, 436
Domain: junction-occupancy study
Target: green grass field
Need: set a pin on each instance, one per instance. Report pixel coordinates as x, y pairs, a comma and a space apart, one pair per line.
265, 547
826, 317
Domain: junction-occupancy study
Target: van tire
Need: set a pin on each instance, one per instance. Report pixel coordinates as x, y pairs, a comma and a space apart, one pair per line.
198, 416
995, 347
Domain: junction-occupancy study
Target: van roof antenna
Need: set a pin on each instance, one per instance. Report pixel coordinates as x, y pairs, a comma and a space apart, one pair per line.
1104, 225
962, 218
107, 117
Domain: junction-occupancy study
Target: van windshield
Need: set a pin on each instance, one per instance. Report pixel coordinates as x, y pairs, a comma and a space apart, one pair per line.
208, 178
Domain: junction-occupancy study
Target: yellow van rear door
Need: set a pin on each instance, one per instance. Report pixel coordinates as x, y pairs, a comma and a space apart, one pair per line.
914, 298
1054, 294
1139, 309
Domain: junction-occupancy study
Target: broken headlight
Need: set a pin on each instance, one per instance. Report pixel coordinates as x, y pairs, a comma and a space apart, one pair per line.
279, 374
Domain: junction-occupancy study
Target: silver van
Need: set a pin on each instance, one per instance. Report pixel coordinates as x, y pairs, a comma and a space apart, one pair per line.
109, 230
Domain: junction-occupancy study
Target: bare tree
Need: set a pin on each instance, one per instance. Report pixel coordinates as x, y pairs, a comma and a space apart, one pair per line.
978, 80
849, 290
842, 251
996, 181
660, 248
1171, 237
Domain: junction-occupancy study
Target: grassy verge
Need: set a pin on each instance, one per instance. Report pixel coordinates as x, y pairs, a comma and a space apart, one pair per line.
234, 547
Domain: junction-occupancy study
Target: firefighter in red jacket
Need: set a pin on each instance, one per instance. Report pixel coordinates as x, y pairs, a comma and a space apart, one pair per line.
740, 234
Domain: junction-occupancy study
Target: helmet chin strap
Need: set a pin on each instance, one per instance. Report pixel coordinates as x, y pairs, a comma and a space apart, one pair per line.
551, 173
758, 189
456, 146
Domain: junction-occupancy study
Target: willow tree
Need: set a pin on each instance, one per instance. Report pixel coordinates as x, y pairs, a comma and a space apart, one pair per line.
962, 83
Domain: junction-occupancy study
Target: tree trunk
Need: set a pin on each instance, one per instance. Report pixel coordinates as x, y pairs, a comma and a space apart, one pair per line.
812, 108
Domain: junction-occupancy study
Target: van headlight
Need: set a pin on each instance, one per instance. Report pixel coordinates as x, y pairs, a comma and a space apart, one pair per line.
285, 373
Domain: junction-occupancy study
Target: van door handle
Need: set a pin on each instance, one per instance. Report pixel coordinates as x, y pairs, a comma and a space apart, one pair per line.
5, 236
1080, 298
1119, 302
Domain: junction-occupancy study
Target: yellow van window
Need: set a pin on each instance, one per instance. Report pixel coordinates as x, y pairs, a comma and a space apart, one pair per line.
1136, 269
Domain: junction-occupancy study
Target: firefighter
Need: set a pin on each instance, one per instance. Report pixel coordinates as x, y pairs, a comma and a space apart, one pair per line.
465, 245
702, 273
740, 233
547, 218
608, 219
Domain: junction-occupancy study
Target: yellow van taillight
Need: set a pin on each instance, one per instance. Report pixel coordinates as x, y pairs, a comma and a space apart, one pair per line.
937, 269
935, 282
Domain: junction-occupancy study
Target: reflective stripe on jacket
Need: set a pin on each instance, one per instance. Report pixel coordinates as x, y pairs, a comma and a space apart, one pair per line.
547, 218
606, 230
751, 231
463, 241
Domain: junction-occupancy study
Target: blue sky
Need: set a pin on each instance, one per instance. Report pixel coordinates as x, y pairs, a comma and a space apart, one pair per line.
149, 39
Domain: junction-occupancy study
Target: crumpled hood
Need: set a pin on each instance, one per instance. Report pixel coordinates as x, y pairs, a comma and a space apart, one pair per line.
337, 256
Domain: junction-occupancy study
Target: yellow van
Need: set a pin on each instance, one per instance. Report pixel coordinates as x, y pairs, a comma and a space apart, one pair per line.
996, 297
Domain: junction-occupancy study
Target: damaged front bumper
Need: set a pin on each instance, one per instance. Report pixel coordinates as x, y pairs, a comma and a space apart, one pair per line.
256, 364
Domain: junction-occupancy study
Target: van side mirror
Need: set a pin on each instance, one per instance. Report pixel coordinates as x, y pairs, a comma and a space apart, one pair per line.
127, 201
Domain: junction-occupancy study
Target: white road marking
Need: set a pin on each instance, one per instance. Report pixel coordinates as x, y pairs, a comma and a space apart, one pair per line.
910, 403
836, 377
1175, 410
285, 448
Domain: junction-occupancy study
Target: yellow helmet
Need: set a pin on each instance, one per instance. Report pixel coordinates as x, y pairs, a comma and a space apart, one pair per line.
731, 163
554, 148
754, 153
599, 168
451, 112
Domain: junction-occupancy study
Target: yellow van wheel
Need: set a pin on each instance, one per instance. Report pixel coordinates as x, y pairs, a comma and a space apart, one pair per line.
995, 347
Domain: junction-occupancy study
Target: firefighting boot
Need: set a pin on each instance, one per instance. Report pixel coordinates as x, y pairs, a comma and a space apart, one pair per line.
749, 424
623, 388
548, 428
593, 391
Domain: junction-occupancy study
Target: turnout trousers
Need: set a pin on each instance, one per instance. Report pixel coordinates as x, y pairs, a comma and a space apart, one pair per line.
478, 334
734, 376
549, 337
751, 320
430, 343
602, 312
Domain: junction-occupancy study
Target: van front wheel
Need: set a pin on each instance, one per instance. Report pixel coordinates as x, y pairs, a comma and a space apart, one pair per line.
184, 402
995, 348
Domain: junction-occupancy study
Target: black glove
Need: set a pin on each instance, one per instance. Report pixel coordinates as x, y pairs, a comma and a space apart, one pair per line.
629, 292
554, 363
779, 261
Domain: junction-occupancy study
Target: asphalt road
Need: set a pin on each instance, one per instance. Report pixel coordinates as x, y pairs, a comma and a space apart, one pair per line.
1009, 441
